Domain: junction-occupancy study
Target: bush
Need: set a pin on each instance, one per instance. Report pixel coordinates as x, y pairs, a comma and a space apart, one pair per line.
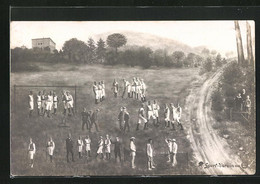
217, 101
208, 65
233, 74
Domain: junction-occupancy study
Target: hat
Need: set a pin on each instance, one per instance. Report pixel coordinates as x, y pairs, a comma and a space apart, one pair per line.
173, 140
124, 107
132, 138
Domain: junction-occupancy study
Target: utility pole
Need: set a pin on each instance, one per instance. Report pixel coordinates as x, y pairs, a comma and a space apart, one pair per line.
240, 51
250, 57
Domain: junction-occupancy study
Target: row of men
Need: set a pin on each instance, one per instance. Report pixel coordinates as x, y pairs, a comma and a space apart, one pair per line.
104, 146
172, 115
243, 102
136, 89
46, 102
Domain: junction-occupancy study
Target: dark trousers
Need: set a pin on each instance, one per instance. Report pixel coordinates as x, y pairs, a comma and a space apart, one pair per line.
121, 124
69, 151
118, 154
123, 93
96, 126
87, 123
126, 126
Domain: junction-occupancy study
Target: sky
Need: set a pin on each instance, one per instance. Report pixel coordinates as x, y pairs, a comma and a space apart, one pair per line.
217, 35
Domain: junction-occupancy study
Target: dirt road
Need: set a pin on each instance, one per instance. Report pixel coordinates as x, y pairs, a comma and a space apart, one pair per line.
208, 147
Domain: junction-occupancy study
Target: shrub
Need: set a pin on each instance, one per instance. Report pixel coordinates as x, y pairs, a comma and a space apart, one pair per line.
217, 101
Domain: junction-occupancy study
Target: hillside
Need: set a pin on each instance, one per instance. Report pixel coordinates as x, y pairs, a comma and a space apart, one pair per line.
149, 40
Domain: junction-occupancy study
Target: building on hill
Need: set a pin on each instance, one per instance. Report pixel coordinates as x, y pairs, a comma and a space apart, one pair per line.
44, 43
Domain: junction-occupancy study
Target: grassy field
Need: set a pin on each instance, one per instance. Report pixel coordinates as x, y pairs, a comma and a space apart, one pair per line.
164, 85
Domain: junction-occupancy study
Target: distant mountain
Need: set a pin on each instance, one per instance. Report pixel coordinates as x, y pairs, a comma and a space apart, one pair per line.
154, 42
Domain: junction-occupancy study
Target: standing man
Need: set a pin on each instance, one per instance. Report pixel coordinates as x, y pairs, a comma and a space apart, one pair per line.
141, 117
150, 114
248, 106
107, 147
95, 91
31, 151
156, 109
244, 96
94, 119
121, 118
174, 152
132, 151
169, 144
84, 117
69, 147
49, 104
127, 88
99, 91
70, 103
31, 103
50, 148
64, 100
167, 116
115, 88
87, 144
100, 147
117, 149
80, 145
239, 102
133, 89
39, 103
138, 88
149, 152
143, 91
179, 113
43, 98
103, 92
55, 102
174, 115
126, 120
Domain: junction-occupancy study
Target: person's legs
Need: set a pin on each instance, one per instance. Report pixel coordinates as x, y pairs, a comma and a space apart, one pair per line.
68, 156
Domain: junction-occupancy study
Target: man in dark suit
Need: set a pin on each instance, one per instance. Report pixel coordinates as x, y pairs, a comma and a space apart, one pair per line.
69, 147
94, 118
126, 119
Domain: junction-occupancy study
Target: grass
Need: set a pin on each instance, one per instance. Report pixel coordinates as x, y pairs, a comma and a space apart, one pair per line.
164, 85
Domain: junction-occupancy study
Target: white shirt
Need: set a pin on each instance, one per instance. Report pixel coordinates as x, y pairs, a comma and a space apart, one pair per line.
156, 107
149, 107
149, 150
174, 147
30, 98
132, 146
50, 98
39, 98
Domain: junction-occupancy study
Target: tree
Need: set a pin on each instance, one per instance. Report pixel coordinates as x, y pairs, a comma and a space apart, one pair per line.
91, 50
205, 51
190, 59
240, 52
250, 56
208, 65
218, 61
76, 50
178, 58
101, 50
116, 40
213, 52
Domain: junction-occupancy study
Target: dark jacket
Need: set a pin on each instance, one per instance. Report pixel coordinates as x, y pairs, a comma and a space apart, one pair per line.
121, 116
126, 117
69, 144
94, 116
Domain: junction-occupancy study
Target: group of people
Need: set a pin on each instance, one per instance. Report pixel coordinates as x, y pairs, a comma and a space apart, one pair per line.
99, 91
89, 119
45, 102
243, 102
104, 149
135, 89
150, 111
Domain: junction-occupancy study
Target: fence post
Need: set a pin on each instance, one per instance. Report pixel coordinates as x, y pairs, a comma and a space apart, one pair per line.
75, 98
230, 114
14, 108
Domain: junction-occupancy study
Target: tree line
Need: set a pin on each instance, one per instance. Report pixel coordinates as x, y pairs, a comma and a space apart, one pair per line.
108, 52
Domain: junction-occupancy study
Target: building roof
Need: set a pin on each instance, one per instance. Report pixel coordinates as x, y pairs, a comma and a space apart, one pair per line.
43, 38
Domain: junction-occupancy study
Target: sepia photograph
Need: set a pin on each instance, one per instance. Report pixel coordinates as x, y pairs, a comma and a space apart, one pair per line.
132, 98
